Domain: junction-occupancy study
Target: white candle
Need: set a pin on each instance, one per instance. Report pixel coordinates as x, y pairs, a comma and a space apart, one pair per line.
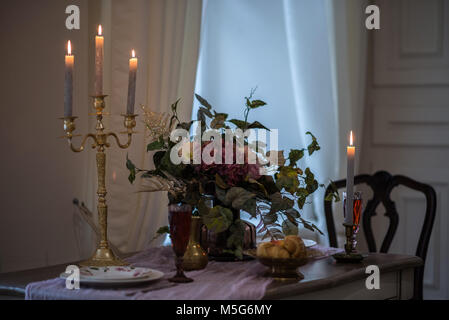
68, 83
350, 182
132, 83
99, 45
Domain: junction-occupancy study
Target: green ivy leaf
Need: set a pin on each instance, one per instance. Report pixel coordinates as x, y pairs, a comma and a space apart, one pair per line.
239, 123
269, 184
276, 233
220, 182
335, 193
295, 155
289, 228
302, 192
203, 102
168, 166
237, 197
292, 212
329, 197
157, 158
280, 203
162, 230
259, 186
313, 146
312, 187
202, 208
301, 201
221, 195
235, 239
218, 219
257, 125
132, 170
257, 103
250, 206
287, 178
219, 121
269, 218
311, 182
155, 145
310, 226
310, 178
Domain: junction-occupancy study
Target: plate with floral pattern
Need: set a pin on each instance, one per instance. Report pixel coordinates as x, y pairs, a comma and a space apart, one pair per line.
116, 275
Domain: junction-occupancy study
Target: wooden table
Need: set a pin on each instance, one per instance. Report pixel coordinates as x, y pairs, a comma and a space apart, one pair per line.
324, 279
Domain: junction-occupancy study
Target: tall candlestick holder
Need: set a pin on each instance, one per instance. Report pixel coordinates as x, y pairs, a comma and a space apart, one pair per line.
103, 255
350, 254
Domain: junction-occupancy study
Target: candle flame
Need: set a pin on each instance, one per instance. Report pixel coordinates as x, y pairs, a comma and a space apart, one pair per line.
69, 48
133, 53
99, 30
350, 139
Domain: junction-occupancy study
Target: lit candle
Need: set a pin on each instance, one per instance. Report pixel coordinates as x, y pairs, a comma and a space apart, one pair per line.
68, 84
132, 83
99, 44
350, 182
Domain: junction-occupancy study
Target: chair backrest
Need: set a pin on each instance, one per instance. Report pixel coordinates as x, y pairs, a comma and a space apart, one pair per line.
382, 183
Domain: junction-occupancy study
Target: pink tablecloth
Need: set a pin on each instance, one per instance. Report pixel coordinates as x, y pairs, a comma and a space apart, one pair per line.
220, 280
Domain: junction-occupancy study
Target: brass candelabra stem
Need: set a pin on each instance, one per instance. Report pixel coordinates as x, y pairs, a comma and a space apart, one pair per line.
103, 255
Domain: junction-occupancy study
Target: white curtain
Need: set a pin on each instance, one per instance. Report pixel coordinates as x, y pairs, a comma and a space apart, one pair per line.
165, 35
348, 37
304, 58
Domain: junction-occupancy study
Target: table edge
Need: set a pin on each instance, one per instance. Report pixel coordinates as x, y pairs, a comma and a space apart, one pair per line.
299, 288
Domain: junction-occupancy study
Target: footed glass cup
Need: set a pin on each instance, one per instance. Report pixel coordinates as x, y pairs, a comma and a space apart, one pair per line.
179, 218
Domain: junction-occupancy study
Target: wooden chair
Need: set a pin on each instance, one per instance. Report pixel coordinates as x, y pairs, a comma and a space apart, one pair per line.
382, 183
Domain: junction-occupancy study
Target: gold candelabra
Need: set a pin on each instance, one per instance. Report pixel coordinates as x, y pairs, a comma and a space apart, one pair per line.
103, 255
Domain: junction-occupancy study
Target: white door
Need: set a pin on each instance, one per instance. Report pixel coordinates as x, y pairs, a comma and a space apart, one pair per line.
407, 123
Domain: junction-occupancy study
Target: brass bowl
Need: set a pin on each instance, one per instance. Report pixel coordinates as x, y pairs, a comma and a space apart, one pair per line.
281, 268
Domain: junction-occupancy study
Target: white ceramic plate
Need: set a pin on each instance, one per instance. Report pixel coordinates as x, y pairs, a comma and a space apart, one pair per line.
309, 243
116, 275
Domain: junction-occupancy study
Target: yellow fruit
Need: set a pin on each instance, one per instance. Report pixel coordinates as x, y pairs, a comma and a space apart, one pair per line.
295, 246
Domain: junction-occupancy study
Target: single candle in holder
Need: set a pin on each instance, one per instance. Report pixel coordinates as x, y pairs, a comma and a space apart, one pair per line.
350, 182
68, 83
99, 52
132, 83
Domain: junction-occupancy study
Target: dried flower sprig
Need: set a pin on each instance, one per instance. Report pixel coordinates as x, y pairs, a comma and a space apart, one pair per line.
158, 124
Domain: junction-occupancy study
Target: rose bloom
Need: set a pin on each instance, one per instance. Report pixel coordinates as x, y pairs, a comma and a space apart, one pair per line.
233, 173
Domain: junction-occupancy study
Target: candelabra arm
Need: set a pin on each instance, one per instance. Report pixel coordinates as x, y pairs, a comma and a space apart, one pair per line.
122, 146
83, 143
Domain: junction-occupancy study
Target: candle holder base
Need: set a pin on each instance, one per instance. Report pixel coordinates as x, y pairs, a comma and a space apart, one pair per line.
103, 257
352, 257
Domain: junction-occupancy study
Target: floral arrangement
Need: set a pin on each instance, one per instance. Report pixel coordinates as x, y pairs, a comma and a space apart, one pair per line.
274, 191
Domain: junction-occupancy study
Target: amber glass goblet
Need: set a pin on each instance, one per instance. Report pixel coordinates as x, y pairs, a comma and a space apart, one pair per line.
179, 218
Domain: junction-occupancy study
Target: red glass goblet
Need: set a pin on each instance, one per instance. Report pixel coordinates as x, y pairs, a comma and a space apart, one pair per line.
356, 215
179, 218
